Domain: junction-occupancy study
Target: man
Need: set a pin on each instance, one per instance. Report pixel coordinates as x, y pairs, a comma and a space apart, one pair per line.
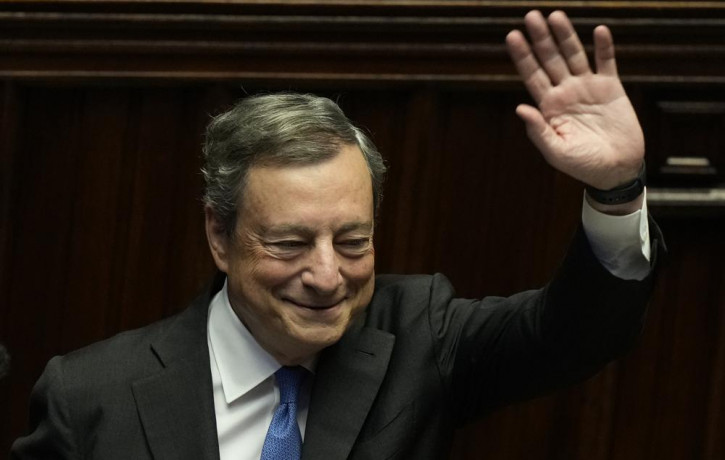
394, 363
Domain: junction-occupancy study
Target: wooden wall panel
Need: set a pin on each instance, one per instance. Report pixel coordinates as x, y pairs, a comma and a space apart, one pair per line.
105, 223
102, 109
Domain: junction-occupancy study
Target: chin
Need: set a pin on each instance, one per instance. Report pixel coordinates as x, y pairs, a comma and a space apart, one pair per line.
319, 337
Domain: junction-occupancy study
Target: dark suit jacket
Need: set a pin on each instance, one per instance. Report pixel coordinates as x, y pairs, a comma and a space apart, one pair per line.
415, 366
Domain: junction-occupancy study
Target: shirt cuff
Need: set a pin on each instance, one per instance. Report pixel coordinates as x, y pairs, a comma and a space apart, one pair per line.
620, 243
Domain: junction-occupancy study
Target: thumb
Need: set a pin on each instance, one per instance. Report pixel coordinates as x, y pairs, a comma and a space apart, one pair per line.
538, 130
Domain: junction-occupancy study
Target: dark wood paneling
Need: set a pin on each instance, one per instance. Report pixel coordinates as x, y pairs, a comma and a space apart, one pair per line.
375, 41
680, 355
102, 110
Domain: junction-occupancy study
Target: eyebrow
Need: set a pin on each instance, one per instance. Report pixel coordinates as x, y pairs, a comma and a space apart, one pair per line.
284, 229
352, 226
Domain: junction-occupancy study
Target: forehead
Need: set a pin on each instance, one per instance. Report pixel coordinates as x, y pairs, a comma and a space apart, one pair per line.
335, 191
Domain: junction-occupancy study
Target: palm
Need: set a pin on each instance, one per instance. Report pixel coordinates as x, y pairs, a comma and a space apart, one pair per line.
585, 125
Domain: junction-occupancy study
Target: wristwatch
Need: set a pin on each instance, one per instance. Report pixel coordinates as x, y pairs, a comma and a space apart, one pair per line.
621, 194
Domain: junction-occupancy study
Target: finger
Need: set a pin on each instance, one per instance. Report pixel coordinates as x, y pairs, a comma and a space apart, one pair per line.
569, 44
604, 51
545, 47
535, 79
539, 131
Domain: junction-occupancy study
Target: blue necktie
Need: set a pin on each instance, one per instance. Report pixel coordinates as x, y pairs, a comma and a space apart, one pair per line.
283, 441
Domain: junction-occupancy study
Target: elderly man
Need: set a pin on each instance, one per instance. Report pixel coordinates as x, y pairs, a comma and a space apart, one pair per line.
299, 351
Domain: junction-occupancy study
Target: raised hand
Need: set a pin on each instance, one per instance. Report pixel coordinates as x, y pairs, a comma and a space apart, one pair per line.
585, 125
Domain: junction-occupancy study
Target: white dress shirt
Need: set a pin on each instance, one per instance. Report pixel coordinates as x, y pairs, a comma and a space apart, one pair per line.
246, 394
621, 243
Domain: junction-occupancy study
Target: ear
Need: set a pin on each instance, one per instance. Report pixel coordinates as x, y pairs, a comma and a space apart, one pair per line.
219, 242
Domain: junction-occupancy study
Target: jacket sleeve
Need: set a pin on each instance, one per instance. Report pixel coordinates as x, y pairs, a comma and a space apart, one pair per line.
51, 435
497, 350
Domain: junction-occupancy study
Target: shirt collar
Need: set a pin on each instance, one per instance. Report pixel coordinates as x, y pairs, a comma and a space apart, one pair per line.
242, 362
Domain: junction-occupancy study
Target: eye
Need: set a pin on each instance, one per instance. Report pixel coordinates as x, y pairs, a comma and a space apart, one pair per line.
354, 246
355, 243
287, 244
286, 249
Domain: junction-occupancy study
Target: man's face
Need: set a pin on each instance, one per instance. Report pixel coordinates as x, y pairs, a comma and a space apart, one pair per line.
300, 264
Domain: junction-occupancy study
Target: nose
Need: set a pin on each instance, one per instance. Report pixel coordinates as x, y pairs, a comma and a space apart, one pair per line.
323, 272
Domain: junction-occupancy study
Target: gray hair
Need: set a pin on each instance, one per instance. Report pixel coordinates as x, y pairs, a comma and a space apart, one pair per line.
277, 129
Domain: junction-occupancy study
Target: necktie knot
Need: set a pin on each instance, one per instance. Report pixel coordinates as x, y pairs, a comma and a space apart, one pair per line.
289, 380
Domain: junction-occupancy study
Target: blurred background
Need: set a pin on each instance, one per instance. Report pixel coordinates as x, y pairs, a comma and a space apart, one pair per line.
102, 110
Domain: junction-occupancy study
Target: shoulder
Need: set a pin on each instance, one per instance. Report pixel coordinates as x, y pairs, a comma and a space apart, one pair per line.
136, 351
413, 288
399, 299
124, 356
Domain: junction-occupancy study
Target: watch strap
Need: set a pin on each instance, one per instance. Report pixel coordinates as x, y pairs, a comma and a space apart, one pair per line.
621, 194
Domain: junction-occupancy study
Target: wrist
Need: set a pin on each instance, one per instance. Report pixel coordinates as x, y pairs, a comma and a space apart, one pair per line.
621, 209
622, 194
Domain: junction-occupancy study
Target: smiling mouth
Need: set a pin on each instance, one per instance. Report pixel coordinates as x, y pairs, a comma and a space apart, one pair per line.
313, 306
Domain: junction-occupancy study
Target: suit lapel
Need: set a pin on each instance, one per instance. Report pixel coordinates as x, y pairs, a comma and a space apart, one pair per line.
176, 405
347, 380
177, 417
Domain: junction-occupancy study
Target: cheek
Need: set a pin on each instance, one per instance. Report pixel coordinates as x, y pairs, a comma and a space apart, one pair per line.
360, 271
254, 263
272, 273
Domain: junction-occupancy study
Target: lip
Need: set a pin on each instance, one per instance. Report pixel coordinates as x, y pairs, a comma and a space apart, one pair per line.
314, 306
